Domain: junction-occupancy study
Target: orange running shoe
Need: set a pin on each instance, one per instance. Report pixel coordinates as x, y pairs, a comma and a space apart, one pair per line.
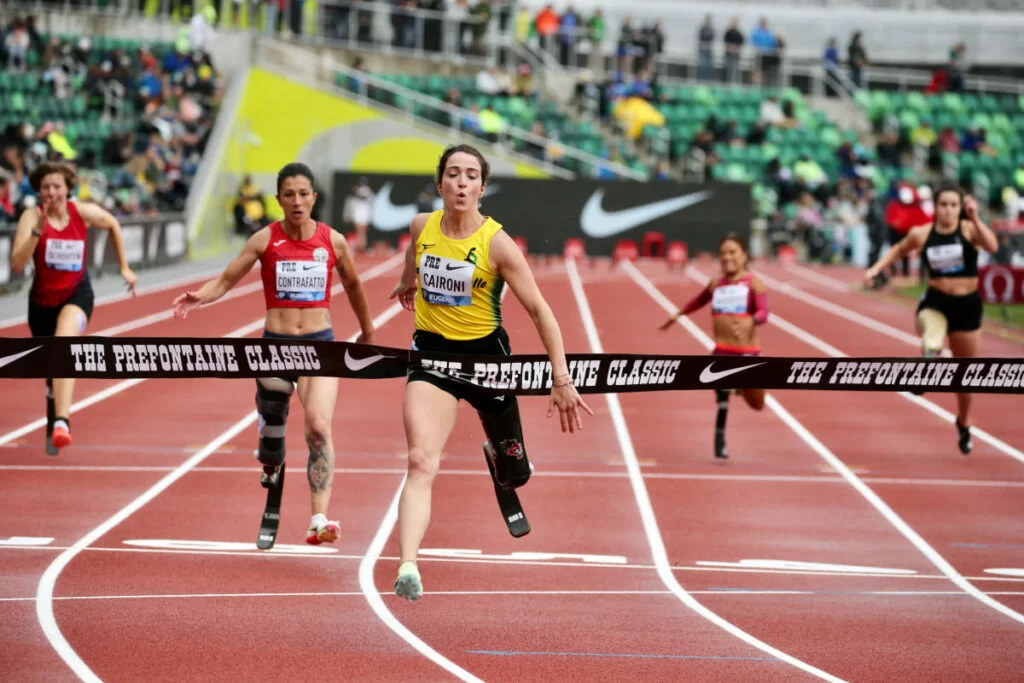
322, 530
61, 437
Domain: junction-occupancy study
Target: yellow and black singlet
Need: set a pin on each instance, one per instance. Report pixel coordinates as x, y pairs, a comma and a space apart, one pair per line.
459, 292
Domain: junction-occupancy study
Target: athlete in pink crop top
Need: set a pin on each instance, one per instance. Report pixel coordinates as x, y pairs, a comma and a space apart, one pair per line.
739, 304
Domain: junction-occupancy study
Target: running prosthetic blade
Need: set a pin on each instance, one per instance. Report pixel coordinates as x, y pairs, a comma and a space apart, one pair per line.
508, 501
271, 514
50, 417
720, 445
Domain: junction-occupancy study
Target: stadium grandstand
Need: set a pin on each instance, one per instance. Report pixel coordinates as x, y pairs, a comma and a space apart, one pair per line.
637, 137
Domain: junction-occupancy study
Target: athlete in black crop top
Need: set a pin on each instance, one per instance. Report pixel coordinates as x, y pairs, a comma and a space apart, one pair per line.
951, 307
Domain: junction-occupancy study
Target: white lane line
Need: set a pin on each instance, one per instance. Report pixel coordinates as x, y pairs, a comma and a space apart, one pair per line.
373, 596
820, 278
568, 474
44, 593
836, 464
654, 539
123, 296
124, 385
827, 348
513, 593
726, 568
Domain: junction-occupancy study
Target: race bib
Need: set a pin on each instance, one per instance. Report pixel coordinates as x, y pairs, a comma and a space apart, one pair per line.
445, 281
301, 280
65, 254
946, 258
730, 299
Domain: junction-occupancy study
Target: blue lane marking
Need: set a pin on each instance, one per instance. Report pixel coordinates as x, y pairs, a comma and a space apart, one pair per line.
987, 545
513, 653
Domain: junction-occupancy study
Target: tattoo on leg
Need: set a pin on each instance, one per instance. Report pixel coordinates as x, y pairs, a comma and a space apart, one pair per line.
319, 469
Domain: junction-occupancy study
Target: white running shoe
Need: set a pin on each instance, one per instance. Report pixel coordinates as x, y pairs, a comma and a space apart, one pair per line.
322, 530
408, 584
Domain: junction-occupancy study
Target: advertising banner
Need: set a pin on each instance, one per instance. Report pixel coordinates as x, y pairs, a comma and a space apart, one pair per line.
1001, 284
547, 212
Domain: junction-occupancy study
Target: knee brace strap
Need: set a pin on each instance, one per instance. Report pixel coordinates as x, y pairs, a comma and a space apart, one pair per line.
504, 431
932, 326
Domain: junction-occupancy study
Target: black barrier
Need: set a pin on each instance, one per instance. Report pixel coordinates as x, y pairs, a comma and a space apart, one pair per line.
525, 375
148, 241
547, 212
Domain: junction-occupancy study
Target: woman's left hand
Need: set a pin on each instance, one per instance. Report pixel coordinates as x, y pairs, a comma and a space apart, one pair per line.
568, 402
971, 208
129, 278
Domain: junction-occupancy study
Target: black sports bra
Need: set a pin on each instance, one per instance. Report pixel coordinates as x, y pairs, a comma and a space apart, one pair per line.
949, 255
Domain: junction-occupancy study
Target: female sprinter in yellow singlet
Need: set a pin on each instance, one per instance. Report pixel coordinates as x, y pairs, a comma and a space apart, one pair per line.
455, 270
951, 306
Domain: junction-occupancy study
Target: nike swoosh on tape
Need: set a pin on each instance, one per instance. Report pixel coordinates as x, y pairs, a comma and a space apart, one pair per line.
357, 364
7, 360
451, 267
707, 375
596, 222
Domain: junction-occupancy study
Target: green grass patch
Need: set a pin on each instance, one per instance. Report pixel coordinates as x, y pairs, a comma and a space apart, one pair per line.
1012, 315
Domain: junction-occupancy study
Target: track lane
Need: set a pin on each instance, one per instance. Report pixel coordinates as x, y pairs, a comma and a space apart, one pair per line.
865, 429
103, 492
754, 520
590, 516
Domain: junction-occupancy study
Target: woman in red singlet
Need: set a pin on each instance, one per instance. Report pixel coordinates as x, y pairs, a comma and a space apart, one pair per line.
739, 303
296, 256
60, 303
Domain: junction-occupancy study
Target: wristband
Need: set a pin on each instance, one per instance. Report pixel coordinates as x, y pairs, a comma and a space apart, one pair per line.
567, 384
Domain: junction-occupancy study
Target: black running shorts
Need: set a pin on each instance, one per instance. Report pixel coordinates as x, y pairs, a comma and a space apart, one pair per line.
963, 313
496, 343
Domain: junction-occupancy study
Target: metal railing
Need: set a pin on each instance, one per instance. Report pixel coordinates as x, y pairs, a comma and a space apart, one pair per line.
917, 79
401, 99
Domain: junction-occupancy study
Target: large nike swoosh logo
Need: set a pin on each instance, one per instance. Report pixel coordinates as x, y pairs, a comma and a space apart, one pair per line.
708, 375
357, 364
387, 216
7, 360
596, 222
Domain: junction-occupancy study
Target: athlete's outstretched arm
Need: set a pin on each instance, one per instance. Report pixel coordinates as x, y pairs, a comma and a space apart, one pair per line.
219, 286
983, 236
913, 241
760, 292
694, 304
98, 217
405, 290
353, 287
25, 239
511, 265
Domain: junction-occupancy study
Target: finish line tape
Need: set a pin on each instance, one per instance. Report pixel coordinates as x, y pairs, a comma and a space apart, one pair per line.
523, 375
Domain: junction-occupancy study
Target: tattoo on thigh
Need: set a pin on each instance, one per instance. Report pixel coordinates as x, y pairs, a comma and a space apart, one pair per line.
319, 469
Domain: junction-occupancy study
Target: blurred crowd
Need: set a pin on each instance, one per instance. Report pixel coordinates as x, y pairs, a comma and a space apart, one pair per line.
132, 118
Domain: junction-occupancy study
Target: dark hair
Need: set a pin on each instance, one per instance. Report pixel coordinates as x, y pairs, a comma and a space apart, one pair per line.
485, 168
948, 187
732, 237
291, 171
35, 179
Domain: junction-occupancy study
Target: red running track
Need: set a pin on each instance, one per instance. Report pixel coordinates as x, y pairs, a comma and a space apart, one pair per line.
862, 604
